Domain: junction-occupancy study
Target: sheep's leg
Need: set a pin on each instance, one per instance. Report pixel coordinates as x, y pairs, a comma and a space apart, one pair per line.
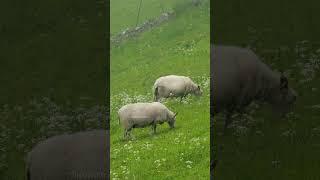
128, 132
154, 127
125, 133
151, 129
156, 98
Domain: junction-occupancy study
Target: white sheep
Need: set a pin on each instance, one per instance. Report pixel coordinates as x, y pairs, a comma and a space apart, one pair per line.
174, 86
139, 115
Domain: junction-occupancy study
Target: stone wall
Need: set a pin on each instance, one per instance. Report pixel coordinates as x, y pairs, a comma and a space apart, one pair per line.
149, 24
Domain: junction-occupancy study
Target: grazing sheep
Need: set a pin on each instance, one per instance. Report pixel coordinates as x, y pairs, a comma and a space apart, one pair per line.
175, 86
83, 155
139, 115
239, 78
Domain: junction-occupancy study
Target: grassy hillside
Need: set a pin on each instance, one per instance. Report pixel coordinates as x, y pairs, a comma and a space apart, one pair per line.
180, 46
265, 146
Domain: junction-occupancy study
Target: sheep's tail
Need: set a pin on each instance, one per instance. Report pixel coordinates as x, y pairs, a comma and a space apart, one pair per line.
156, 93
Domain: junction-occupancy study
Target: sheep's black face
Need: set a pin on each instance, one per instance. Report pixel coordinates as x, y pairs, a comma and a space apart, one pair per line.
172, 121
283, 98
198, 91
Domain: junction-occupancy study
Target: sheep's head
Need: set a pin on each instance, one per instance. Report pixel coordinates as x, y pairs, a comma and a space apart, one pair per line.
283, 97
197, 90
172, 120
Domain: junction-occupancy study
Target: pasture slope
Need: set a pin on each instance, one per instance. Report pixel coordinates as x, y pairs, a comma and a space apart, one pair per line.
180, 46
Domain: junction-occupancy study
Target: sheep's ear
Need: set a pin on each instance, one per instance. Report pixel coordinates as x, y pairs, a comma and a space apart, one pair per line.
175, 114
283, 81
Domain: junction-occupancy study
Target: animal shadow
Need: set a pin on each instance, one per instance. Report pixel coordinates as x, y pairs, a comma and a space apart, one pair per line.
146, 135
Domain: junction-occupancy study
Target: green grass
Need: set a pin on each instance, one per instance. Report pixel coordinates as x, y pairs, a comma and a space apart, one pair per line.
267, 150
180, 46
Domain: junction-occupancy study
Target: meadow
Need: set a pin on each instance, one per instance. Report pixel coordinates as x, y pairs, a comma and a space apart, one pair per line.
180, 46
261, 145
